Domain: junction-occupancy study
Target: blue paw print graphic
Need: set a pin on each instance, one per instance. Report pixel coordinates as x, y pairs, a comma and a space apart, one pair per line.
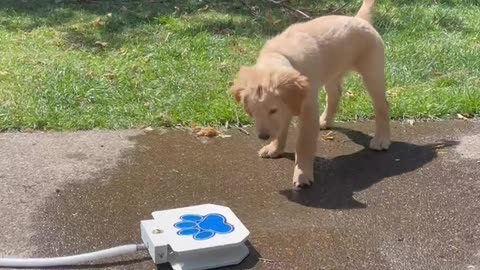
203, 227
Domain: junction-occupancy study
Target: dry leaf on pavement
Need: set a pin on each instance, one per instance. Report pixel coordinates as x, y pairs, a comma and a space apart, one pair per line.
328, 136
207, 132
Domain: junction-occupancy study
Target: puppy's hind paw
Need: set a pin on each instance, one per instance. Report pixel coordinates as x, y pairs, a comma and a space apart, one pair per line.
324, 124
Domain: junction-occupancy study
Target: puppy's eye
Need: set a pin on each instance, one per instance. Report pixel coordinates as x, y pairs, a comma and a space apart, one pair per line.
272, 111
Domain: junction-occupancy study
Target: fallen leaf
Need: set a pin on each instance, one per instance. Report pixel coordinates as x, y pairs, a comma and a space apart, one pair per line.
393, 93
177, 10
4, 74
110, 76
328, 136
411, 122
97, 24
90, 74
100, 44
349, 94
148, 128
205, 8
438, 74
207, 132
461, 116
196, 129
165, 118
224, 136
271, 19
223, 66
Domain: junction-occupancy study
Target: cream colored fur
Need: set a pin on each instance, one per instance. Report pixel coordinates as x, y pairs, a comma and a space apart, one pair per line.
294, 65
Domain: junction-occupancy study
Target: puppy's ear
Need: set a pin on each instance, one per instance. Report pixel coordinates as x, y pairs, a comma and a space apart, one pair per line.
237, 92
292, 87
239, 85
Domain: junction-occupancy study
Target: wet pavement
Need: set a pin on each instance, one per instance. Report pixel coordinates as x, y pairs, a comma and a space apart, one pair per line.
416, 206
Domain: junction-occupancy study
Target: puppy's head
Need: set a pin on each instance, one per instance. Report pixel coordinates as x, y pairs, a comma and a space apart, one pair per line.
270, 96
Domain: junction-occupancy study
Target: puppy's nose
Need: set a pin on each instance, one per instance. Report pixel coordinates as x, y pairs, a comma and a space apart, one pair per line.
263, 136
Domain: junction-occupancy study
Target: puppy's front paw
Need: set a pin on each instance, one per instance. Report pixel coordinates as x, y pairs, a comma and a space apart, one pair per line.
380, 143
324, 123
270, 151
301, 179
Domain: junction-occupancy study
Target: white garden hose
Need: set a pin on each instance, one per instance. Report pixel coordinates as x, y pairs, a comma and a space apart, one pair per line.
71, 260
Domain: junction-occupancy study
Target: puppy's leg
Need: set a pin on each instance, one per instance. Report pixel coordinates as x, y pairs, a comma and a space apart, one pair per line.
372, 71
334, 91
276, 147
306, 145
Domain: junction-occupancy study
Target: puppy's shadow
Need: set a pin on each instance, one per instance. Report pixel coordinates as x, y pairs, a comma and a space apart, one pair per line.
337, 179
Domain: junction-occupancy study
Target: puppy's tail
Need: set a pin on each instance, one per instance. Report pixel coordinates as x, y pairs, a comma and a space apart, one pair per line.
366, 11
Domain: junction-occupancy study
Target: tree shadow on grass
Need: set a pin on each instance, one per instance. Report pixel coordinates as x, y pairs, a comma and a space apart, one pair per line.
337, 179
243, 18
126, 14
257, 18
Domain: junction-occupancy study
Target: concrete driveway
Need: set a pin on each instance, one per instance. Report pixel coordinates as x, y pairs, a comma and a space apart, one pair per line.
416, 206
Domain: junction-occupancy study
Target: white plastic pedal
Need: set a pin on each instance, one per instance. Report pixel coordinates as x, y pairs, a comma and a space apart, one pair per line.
196, 238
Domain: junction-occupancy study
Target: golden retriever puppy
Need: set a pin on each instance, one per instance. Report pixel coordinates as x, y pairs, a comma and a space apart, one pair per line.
290, 69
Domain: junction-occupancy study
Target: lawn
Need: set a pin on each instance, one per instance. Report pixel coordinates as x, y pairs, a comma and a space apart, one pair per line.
84, 64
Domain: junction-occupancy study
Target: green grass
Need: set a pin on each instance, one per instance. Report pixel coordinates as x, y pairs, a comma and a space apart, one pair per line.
163, 63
